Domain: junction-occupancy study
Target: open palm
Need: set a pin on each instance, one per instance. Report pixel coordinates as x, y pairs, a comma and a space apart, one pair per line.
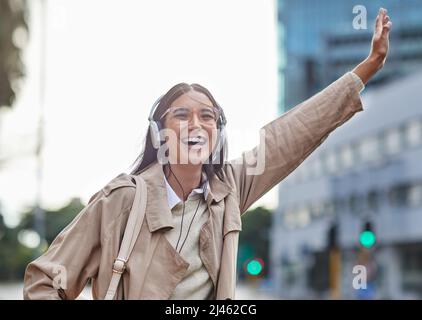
380, 39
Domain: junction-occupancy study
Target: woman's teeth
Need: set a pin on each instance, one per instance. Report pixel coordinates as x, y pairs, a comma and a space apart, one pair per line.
194, 141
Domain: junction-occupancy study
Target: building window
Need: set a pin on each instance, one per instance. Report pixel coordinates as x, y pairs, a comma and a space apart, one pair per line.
392, 141
331, 162
303, 217
373, 200
413, 131
317, 209
340, 204
329, 208
317, 167
411, 264
346, 156
369, 149
399, 195
297, 217
415, 195
355, 204
289, 218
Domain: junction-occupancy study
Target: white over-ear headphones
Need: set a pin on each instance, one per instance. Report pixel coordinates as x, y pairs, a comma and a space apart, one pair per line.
155, 126
156, 137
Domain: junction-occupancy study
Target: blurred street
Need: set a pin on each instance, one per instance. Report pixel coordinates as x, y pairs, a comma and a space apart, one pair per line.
13, 291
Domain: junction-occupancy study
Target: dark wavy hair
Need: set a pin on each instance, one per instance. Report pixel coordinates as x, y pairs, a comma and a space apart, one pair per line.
149, 154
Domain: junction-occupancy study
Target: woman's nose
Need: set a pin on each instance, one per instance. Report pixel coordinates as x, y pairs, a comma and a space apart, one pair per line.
195, 122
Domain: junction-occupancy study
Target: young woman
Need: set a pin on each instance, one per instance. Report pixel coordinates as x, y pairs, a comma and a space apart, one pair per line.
187, 245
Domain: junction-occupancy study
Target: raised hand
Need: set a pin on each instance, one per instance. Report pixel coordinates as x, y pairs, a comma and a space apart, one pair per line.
379, 48
380, 39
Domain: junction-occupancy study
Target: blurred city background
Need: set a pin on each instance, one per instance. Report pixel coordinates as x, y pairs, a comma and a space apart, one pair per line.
78, 77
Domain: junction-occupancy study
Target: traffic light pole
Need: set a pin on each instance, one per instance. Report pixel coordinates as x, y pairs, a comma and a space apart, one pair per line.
335, 273
334, 262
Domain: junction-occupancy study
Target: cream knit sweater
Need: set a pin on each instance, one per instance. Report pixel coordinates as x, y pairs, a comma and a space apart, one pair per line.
196, 283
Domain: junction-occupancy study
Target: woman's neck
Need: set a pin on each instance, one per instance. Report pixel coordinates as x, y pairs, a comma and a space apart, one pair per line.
183, 178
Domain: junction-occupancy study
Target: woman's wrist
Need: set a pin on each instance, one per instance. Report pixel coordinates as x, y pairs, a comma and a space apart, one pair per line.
369, 67
376, 60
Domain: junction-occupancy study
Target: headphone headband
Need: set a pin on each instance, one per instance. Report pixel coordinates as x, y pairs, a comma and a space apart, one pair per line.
154, 107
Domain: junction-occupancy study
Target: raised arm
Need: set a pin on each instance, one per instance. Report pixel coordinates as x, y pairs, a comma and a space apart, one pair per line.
288, 140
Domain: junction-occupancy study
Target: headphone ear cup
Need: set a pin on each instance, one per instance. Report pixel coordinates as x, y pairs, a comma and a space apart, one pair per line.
223, 137
223, 144
155, 134
219, 144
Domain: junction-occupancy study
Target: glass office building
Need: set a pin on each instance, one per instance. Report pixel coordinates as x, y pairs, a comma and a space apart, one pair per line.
367, 170
318, 42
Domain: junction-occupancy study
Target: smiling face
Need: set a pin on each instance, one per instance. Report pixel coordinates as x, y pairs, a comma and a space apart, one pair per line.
191, 125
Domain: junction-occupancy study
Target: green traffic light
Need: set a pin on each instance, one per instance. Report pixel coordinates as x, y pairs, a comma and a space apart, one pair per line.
254, 267
367, 239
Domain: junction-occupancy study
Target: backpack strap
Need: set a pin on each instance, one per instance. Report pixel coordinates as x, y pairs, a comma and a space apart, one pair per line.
133, 228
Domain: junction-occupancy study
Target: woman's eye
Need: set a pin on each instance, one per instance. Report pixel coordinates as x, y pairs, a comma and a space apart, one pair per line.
208, 117
181, 116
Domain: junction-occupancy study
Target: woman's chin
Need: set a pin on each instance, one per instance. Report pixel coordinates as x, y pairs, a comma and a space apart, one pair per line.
197, 156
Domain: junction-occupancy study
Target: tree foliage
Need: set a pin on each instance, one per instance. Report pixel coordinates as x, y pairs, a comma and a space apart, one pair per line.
254, 238
14, 255
13, 35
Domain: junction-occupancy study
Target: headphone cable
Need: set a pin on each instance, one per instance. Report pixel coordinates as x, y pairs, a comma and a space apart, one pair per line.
193, 218
183, 201
183, 213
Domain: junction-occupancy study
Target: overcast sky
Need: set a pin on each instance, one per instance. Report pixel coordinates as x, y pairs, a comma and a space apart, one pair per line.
107, 62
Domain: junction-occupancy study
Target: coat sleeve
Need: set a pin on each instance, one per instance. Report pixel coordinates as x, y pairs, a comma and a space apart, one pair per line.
74, 256
288, 140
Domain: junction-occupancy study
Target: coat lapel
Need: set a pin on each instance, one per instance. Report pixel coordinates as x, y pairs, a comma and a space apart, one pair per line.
158, 215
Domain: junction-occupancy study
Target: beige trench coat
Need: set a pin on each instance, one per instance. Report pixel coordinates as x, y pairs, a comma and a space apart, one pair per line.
87, 247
